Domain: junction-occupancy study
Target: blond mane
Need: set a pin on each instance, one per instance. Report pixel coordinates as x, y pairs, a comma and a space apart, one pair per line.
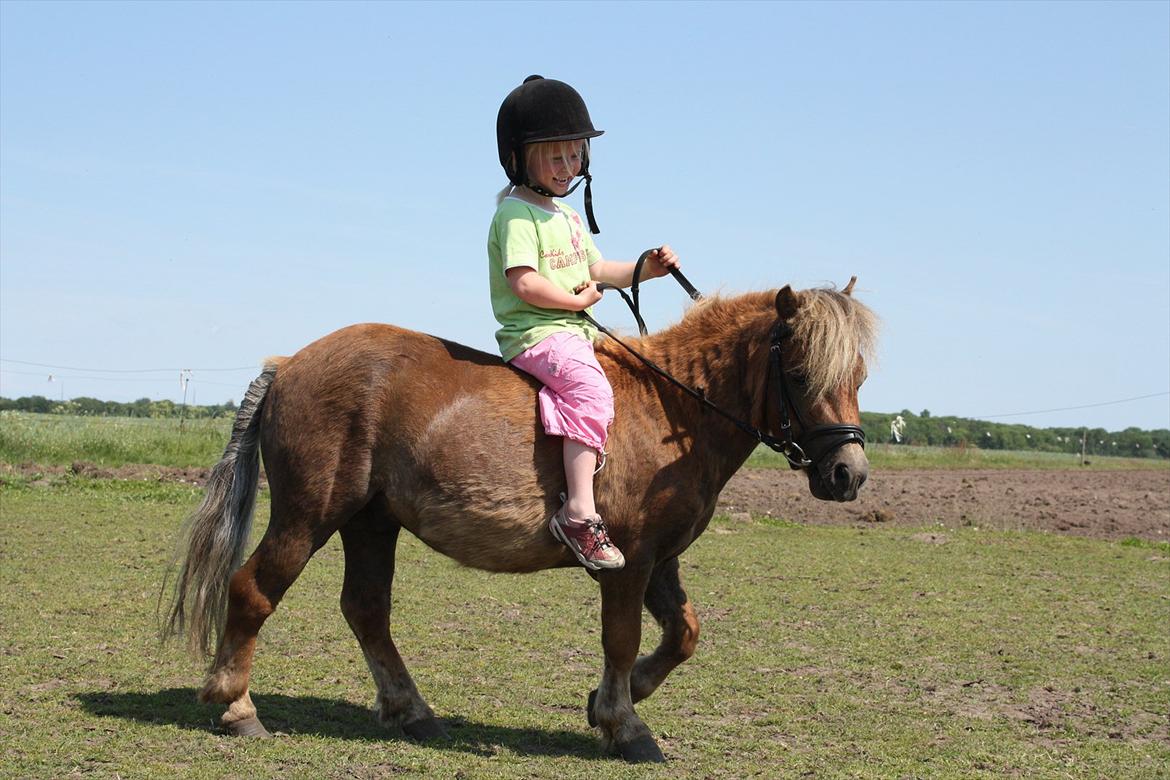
831, 328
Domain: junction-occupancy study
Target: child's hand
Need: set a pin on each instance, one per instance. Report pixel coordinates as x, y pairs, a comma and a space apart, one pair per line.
586, 294
660, 262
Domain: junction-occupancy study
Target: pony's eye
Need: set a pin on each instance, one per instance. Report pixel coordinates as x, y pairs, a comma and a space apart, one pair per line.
800, 380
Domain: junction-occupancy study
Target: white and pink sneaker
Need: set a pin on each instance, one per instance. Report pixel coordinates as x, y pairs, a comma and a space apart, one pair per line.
588, 539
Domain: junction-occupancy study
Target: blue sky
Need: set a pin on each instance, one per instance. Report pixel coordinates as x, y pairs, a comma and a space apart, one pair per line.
202, 185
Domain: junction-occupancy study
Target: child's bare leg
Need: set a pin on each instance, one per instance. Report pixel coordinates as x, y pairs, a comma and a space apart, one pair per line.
577, 524
580, 461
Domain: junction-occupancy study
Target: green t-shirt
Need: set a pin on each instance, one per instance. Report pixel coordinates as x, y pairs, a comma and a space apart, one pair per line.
558, 247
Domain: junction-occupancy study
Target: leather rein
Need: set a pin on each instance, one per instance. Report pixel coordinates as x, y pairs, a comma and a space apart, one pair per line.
818, 440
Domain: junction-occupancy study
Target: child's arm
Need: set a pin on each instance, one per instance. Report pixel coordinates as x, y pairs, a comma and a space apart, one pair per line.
621, 274
534, 289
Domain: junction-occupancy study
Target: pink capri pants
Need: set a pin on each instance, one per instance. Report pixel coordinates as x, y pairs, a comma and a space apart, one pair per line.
576, 401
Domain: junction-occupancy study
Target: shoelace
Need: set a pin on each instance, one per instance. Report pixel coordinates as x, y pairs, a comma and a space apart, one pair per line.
600, 535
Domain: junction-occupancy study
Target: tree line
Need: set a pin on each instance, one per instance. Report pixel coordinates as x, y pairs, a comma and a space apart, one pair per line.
92, 407
926, 429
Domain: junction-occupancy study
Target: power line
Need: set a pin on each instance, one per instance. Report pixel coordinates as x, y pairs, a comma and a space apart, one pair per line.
123, 370
1072, 408
119, 378
94, 378
236, 385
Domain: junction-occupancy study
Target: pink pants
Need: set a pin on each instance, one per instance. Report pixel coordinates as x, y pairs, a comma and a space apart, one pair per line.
576, 401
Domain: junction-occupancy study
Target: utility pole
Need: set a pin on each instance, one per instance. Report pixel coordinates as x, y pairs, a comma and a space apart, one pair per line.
1082, 446
184, 380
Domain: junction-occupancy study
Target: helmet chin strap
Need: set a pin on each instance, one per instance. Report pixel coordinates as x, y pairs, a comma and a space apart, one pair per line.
588, 197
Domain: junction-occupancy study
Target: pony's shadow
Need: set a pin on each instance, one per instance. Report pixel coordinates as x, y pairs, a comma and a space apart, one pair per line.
296, 715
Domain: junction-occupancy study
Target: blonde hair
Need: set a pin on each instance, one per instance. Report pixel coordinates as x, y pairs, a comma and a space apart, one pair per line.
543, 151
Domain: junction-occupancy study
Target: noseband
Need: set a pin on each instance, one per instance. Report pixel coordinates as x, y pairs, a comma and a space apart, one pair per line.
814, 443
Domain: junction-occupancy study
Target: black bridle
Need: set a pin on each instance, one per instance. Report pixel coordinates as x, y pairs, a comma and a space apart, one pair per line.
813, 444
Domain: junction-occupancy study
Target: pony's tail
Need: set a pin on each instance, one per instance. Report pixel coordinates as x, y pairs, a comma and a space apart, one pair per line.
214, 536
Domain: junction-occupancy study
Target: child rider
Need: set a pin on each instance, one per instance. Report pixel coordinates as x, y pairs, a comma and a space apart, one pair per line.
544, 269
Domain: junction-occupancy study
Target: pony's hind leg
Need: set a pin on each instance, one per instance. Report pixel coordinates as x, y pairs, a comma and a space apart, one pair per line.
369, 539
255, 590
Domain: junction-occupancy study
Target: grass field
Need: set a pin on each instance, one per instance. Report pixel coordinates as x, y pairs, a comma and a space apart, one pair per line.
54, 439
50, 439
825, 652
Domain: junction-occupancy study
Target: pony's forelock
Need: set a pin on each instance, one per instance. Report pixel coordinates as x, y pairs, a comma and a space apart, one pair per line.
836, 330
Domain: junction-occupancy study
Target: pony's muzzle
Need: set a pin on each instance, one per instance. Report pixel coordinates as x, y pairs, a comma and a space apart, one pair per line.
846, 481
842, 474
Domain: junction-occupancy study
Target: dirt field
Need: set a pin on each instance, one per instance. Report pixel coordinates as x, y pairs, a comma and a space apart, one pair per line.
1101, 504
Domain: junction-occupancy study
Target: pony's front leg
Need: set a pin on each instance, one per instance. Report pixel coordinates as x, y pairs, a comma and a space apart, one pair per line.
621, 632
668, 603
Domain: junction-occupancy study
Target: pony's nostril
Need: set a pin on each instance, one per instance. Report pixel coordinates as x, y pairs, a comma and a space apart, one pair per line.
842, 475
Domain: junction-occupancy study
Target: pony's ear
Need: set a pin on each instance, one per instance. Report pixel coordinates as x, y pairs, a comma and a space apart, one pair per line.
849, 287
787, 302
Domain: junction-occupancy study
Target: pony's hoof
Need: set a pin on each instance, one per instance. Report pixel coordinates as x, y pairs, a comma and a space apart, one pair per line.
247, 727
425, 729
643, 750
589, 708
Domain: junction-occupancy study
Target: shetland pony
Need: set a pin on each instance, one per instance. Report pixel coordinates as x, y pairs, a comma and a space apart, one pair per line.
373, 429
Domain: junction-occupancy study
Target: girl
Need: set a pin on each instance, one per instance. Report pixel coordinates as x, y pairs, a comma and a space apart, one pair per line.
544, 268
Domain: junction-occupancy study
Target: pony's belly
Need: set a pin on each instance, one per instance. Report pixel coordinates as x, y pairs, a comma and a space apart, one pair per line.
503, 538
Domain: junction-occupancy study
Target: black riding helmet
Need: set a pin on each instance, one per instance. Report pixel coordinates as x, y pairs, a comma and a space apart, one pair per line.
543, 109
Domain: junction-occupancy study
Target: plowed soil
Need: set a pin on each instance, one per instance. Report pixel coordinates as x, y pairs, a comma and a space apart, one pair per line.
1100, 504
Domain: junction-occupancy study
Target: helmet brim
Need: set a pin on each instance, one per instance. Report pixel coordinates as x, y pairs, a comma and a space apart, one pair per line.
565, 137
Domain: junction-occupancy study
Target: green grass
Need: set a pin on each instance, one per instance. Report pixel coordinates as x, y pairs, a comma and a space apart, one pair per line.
52, 439
825, 652
889, 456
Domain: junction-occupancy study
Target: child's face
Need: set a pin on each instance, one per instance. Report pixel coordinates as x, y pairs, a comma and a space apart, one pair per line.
554, 165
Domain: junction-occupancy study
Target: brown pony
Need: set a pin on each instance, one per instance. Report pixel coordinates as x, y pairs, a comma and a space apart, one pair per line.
373, 429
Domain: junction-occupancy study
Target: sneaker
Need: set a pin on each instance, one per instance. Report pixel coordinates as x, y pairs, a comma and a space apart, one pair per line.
588, 540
